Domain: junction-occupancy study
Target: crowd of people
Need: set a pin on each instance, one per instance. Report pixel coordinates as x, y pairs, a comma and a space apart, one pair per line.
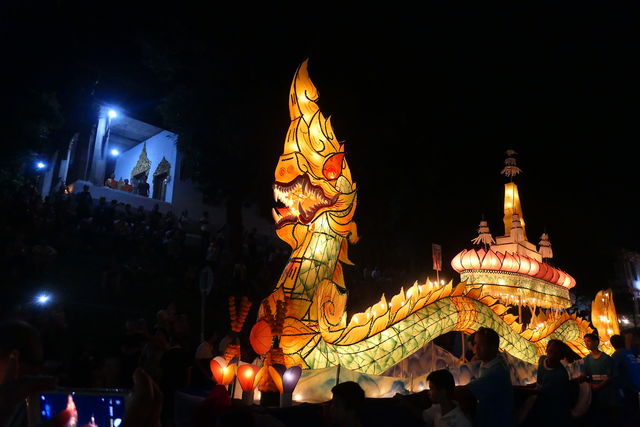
107, 267
128, 245
612, 384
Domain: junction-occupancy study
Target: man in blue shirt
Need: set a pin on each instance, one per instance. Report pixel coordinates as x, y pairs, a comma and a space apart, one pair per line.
493, 388
626, 380
598, 371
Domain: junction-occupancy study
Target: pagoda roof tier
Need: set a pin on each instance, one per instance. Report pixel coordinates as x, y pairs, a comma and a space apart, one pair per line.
514, 277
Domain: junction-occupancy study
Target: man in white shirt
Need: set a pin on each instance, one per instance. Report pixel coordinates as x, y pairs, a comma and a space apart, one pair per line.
444, 412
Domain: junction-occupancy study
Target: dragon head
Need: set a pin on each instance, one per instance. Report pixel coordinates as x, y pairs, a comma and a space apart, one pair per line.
312, 178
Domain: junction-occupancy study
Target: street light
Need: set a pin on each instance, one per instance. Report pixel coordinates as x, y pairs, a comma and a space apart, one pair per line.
43, 299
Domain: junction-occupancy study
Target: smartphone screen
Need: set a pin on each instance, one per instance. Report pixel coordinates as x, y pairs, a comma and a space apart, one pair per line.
103, 408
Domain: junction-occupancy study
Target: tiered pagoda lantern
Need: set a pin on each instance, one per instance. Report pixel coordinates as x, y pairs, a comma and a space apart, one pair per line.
512, 269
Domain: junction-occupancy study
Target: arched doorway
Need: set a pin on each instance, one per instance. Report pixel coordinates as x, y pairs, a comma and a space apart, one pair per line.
161, 178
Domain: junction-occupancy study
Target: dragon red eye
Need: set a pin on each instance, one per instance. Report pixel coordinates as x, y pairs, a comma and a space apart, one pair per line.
332, 168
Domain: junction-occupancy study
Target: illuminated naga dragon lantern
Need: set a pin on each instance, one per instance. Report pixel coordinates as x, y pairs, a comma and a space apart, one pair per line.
318, 197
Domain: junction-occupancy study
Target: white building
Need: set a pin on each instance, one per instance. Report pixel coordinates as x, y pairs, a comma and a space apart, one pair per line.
137, 151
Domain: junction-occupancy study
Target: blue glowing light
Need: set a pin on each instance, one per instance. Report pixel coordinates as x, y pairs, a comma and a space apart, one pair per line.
40, 165
43, 299
115, 152
112, 114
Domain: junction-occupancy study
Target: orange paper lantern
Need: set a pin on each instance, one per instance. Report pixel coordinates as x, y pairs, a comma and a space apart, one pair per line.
247, 376
222, 373
260, 337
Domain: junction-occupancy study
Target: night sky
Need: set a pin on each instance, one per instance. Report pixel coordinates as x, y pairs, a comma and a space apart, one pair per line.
426, 102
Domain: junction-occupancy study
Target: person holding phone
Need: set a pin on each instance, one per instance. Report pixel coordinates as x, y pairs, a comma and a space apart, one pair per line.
21, 356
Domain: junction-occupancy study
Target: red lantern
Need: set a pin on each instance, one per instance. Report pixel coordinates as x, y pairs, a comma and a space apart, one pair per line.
548, 274
261, 337
222, 373
560, 279
247, 376
542, 271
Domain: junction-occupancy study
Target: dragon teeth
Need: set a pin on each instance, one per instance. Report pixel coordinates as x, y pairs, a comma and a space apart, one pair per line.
276, 215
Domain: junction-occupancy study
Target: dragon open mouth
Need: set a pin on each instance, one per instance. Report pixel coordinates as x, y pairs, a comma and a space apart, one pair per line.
298, 200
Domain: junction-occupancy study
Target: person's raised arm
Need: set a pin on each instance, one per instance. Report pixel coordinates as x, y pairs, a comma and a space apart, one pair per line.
15, 389
144, 406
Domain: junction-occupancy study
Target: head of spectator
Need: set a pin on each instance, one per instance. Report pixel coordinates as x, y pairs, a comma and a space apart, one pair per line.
160, 338
471, 340
20, 357
470, 354
632, 340
19, 342
617, 342
487, 344
441, 386
347, 403
180, 326
555, 352
85, 188
592, 342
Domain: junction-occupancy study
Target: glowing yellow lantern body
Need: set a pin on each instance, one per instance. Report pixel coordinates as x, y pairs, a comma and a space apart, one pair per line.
313, 182
605, 318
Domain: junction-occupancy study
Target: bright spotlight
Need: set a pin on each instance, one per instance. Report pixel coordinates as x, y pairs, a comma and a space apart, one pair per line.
40, 165
113, 114
115, 153
43, 299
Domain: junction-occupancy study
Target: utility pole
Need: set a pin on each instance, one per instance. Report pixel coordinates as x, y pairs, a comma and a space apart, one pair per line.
630, 261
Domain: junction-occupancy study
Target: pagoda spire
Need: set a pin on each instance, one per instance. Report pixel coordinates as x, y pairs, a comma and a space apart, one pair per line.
512, 198
484, 235
510, 169
545, 247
